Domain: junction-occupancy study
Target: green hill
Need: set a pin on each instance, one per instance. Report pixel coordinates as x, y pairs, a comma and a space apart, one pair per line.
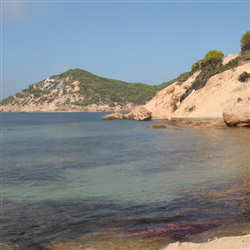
81, 88
77, 88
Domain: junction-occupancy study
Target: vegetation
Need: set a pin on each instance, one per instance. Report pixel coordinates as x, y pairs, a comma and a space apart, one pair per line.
100, 90
8, 100
19, 95
212, 59
191, 109
196, 65
181, 78
244, 76
210, 65
245, 42
93, 89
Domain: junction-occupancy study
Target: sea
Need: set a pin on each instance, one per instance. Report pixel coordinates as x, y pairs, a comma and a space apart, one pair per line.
75, 181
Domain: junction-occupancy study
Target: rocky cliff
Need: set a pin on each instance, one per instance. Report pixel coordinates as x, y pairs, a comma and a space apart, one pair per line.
223, 90
217, 93
167, 101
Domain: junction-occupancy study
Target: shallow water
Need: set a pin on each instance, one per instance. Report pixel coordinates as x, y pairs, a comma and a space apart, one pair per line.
72, 181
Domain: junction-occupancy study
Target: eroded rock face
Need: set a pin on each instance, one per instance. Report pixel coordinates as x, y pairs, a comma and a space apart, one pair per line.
238, 114
140, 113
167, 100
219, 93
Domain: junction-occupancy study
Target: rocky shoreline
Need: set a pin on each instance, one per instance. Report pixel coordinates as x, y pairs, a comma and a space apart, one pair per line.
66, 108
180, 121
224, 100
238, 117
139, 114
237, 243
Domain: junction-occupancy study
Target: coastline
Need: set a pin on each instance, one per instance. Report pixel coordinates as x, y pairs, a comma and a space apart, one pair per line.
174, 121
234, 242
193, 121
202, 121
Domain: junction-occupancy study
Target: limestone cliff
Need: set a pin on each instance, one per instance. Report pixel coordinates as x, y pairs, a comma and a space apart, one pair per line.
221, 91
167, 101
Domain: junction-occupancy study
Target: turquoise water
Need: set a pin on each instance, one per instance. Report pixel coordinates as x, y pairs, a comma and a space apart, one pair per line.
70, 175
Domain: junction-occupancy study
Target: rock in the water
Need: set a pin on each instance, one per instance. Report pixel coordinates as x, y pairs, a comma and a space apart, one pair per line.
238, 114
140, 113
114, 116
159, 126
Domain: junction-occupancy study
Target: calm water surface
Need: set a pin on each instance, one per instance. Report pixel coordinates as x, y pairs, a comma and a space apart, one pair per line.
74, 181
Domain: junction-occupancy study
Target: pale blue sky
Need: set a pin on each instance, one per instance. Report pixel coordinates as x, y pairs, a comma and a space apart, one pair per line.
134, 41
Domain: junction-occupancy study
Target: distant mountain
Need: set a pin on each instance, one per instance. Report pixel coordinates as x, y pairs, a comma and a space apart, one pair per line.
79, 90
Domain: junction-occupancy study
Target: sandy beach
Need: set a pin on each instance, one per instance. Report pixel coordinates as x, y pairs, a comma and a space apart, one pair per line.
237, 243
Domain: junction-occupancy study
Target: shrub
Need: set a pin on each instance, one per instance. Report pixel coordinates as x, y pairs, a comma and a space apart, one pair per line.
7, 100
191, 109
213, 59
244, 76
35, 91
245, 41
245, 56
200, 82
232, 63
19, 95
184, 76
46, 92
197, 65
210, 65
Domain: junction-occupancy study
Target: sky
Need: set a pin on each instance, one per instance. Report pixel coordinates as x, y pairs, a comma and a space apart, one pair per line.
135, 41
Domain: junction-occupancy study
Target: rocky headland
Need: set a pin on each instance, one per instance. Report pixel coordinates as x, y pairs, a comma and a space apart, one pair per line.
214, 92
224, 99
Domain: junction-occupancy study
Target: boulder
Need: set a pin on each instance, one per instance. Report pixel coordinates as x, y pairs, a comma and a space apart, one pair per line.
170, 89
238, 114
114, 116
140, 113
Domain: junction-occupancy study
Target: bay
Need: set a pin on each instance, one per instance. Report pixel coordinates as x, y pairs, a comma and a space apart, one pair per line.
74, 181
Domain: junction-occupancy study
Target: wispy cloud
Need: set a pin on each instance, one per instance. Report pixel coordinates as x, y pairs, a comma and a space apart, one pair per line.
14, 12
18, 12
